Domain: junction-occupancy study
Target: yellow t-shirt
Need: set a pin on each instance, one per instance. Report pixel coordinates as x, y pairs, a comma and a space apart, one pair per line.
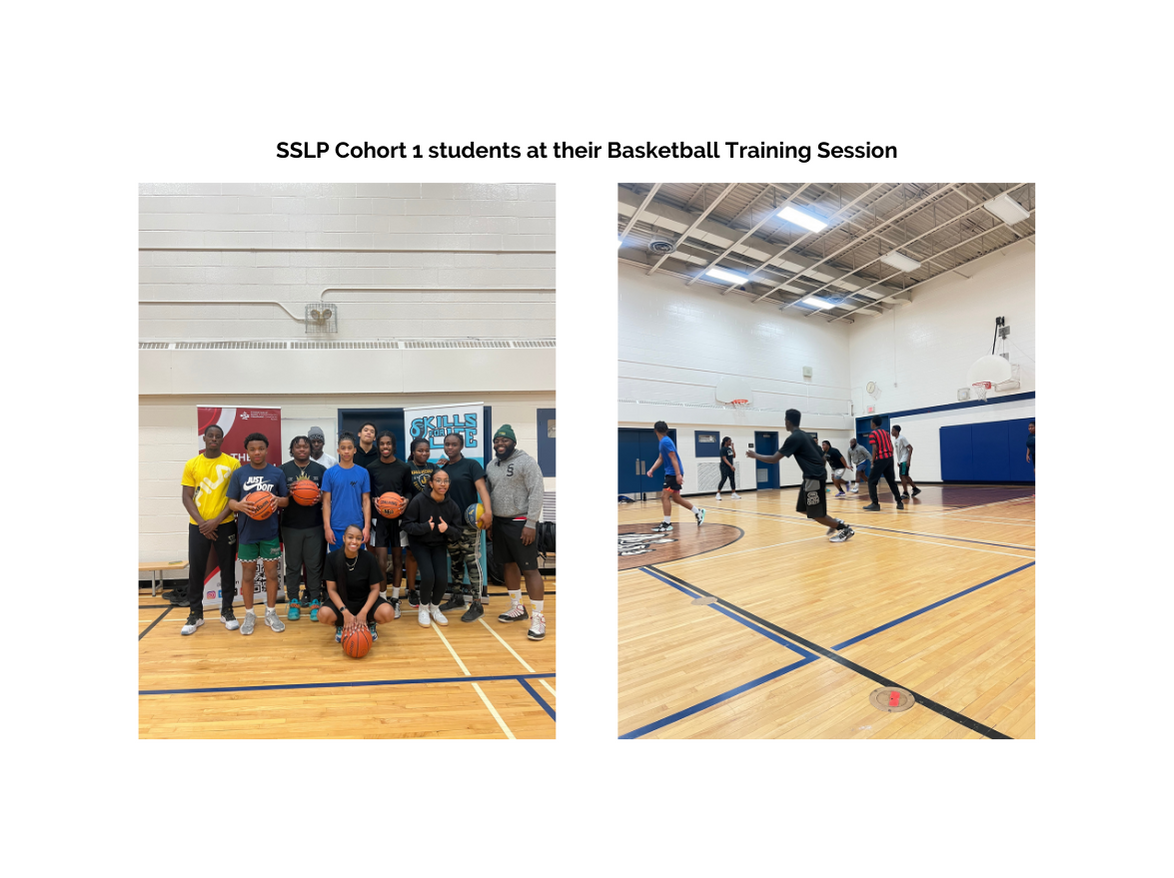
210, 479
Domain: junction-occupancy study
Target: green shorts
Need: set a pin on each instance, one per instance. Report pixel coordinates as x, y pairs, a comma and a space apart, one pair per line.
266, 550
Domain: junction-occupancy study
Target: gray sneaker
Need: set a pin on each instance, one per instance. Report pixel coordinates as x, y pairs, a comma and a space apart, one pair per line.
273, 622
247, 625
843, 535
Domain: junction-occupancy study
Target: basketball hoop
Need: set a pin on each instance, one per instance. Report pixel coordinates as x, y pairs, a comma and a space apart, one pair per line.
739, 402
981, 389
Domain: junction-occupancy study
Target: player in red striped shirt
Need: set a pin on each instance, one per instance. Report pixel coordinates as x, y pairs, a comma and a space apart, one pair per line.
882, 465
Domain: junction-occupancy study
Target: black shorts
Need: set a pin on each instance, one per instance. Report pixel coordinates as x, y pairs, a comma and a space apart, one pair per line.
387, 532
671, 483
353, 607
903, 469
507, 544
813, 498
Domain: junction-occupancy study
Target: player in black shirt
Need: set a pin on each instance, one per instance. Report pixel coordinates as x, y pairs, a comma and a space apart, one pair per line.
726, 466
301, 532
839, 465
813, 491
352, 588
389, 473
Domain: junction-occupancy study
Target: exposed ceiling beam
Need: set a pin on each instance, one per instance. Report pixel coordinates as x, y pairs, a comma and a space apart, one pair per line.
640, 210
685, 234
750, 232
955, 219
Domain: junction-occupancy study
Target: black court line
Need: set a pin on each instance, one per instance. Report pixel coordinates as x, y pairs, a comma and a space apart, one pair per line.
156, 622
940, 709
341, 684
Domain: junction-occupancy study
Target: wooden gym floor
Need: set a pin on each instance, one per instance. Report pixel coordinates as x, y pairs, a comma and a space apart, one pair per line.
483, 679
938, 599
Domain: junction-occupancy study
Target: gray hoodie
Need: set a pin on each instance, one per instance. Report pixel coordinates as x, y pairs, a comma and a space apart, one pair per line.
515, 487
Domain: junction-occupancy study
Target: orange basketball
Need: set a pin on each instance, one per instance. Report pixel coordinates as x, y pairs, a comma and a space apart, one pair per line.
259, 505
357, 643
391, 504
305, 492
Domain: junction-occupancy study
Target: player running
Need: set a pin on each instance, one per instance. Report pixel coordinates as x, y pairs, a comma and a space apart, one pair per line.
673, 480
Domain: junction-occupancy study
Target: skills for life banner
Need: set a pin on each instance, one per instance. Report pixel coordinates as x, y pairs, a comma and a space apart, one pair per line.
237, 423
434, 422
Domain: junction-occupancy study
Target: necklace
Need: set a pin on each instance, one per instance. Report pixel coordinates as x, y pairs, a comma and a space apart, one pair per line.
351, 565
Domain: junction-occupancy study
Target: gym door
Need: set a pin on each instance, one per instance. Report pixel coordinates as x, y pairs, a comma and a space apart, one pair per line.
767, 474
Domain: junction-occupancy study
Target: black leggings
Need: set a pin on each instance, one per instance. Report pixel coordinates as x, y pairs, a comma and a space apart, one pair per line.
199, 547
727, 474
432, 562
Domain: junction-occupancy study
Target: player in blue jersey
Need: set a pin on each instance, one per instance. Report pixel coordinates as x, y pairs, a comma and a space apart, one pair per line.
673, 479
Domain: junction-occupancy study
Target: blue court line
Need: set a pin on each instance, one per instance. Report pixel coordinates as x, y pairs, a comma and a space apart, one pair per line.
276, 686
770, 635
933, 606
534, 694
717, 699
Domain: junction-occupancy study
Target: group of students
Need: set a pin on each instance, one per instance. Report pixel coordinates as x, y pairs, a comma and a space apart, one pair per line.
346, 585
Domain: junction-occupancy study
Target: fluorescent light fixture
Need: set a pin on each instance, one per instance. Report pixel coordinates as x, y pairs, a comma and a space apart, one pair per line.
800, 218
621, 244
900, 261
1007, 209
728, 276
817, 302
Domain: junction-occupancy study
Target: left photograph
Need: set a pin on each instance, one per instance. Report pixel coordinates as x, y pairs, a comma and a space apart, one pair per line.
347, 460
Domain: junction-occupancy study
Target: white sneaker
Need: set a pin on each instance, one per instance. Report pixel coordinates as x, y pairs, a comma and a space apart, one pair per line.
423, 618
437, 616
272, 621
735, 497
717, 496
537, 627
192, 624
855, 489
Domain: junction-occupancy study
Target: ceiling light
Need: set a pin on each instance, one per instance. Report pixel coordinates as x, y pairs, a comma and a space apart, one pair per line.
728, 276
817, 302
800, 218
1007, 209
621, 244
900, 261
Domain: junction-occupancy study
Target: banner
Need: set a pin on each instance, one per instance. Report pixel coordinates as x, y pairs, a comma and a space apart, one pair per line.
237, 423
434, 422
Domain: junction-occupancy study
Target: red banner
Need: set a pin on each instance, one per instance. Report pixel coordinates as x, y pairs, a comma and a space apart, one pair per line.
237, 423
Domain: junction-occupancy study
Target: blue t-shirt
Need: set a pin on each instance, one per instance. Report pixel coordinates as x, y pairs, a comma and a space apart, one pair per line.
346, 488
245, 480
667, 447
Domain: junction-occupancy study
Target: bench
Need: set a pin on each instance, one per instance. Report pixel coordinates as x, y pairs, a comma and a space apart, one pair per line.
159, 567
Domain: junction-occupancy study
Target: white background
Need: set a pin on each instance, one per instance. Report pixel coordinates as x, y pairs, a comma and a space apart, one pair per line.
105, 97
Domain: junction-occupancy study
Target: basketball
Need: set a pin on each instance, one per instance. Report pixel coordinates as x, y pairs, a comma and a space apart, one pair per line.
391, 504
260, 505
305, 492
473, 514
357, 643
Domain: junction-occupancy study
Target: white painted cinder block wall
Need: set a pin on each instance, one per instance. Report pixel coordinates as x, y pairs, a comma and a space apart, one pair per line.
208, 249
919, 354
675, 342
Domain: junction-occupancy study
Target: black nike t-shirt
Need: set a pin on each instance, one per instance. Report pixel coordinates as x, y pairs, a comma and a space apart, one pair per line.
396, 476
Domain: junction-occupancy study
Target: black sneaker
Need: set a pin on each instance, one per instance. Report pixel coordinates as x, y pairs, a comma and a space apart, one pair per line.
900, 505
905, 496
663, 527
453, 603
872, 507
475, 612
916, 491
413, 598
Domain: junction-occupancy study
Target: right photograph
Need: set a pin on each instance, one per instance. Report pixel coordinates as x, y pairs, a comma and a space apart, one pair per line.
826, 460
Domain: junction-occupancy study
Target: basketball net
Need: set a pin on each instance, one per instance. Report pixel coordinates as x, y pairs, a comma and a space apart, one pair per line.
738, 403
981, 388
